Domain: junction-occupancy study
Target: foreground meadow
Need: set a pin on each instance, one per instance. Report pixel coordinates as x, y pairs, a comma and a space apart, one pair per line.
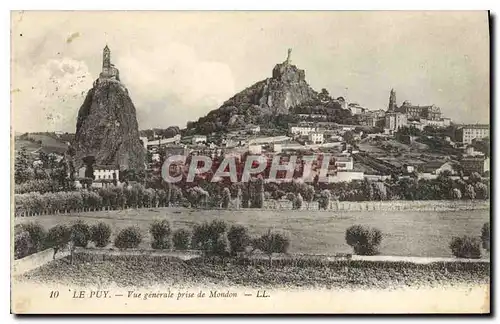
147, 271
405, 233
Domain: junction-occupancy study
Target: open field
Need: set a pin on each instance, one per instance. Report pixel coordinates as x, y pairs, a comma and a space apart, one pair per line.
405, 233
151, 271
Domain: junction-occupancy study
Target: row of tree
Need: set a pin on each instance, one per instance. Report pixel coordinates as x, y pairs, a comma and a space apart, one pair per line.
107, 198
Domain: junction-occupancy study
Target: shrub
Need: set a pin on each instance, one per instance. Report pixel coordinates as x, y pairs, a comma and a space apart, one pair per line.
37, 236
22, 245
181, 239
485, 236
80, 233
465, 247
160, 231
365, 241
57, 238
129, 237
238, 238
206, 235
270, 243
221, 245
100, 234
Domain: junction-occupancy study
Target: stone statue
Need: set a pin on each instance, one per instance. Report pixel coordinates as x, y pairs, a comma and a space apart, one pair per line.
288, 58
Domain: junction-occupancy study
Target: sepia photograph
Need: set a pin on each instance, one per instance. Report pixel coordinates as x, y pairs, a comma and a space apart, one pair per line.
257, 162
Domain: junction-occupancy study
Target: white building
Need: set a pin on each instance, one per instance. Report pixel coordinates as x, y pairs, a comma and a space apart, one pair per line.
395, 120
343, 163
198, 139
302, 130
467, 133
101, 172
356, 109
163, 141
255, 149
316, 138
254, 129
346, 176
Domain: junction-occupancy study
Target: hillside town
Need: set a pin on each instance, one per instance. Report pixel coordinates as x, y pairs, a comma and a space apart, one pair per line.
169, 185
398, 141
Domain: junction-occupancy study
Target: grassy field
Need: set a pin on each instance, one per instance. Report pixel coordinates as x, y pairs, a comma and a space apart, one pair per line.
425, 234
51, 144
198, 272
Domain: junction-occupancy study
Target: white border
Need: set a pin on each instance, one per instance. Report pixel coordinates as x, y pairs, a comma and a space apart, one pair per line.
186, 5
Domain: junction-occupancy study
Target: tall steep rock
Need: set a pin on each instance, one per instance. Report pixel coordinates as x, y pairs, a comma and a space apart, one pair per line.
107, 128
286, 88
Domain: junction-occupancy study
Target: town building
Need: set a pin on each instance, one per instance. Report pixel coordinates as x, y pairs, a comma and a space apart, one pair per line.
102, 175
255, 149
478, 163
431, 112
356, 109
431, 170
395, 120
302, 130
316, 138
467, 133
198, 139
346, 176
253, 129
343, 163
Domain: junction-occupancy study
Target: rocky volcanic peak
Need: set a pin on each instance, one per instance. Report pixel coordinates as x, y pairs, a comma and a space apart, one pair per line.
273, 96
107, 127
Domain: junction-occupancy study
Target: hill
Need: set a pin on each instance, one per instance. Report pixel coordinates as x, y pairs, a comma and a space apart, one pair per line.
266, 101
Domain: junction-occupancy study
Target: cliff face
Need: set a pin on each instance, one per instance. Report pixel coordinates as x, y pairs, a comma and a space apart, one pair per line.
286, 88
107, 128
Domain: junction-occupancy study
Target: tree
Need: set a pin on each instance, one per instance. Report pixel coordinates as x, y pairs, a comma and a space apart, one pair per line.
207, 237
37, 236
465, 247
160, 231
485, 236
238, 238
308, 194
22, 245
364, 240
456, 194
80, 233
181, 239
226, 198
57, 238
23, 171
324, 201
100, 234
469, 192
297, 203
379, 191
481, 191
475, 177
270, 243
129, 237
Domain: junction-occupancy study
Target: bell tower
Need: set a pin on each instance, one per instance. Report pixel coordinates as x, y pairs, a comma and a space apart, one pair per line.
106, 58
392, 101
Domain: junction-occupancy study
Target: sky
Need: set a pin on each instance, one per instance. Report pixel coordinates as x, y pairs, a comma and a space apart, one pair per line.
178, 66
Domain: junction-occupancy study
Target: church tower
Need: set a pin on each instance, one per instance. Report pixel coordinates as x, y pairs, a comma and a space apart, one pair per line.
392, 101
106, 58
109, 71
